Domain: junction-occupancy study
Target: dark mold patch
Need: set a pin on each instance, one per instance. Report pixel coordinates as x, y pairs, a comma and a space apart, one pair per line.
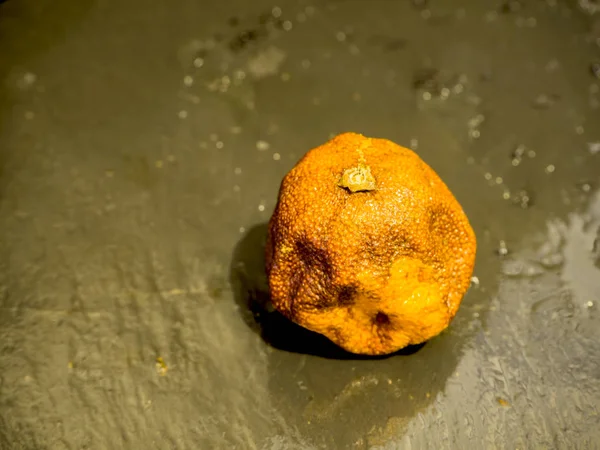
346, 295
381, 318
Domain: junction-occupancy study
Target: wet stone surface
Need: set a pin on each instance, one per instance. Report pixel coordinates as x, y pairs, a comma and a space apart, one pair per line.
138, 168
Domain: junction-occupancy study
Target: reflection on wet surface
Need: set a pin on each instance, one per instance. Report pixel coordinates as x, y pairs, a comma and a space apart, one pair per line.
137, 171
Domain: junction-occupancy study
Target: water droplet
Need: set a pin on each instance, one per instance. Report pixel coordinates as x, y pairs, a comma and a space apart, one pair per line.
237, 170
261, 208
502, 249
262, 145
523, 199
552, 65
550, 168
188, 80
276, 12
276, 156
594, 147
198, 62
29, 78
517, 154
544, 101
354, 50
475, 134
476, 121
239, 75
183, 114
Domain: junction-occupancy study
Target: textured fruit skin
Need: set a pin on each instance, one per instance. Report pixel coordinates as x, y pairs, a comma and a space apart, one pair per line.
376, 270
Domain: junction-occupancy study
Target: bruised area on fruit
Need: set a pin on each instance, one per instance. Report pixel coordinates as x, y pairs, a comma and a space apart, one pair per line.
248, 278
368, 247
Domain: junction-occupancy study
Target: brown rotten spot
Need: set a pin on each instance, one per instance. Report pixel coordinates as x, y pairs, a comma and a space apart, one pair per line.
368, 247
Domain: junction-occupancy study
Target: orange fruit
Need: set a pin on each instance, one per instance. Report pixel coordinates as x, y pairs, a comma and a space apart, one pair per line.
368, 247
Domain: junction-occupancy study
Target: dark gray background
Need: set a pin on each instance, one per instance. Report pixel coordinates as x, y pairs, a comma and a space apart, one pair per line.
141, 149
